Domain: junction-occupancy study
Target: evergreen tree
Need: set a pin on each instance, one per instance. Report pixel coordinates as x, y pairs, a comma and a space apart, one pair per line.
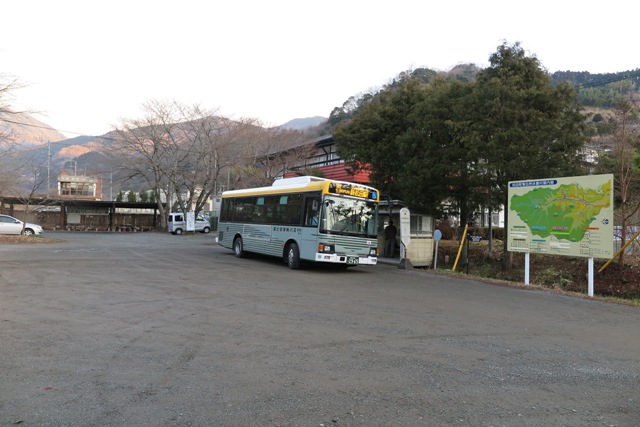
458, 144
370, 140
441, 173
525, 127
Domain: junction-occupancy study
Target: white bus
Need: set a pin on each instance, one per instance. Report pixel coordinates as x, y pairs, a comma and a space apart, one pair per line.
303, 219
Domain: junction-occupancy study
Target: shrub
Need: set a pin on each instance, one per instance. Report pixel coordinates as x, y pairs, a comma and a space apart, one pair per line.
497, 232
448, 230
550, 277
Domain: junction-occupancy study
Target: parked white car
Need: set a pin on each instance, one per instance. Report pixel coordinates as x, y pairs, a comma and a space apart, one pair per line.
177, 223
11, 225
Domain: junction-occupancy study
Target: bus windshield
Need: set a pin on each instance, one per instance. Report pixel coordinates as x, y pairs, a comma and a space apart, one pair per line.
347, 216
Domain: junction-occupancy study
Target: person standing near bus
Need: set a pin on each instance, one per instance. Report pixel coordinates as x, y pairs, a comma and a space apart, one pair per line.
390, 233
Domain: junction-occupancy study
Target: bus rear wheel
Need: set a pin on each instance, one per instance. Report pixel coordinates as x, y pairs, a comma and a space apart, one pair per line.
238, 248
293, 256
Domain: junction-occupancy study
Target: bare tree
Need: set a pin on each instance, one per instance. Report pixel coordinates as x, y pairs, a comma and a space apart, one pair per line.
8, 85
179, 151
207, 146
142, 149
9, 162
624, 161
188, 153
28, 187
270, 153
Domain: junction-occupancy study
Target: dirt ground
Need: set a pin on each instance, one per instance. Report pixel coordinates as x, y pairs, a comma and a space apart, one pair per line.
554, 272
22, 239
560, 273
150, 329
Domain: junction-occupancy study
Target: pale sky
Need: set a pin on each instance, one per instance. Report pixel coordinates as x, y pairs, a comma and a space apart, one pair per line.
90, 63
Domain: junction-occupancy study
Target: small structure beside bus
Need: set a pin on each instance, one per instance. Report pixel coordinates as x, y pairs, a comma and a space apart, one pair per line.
303, 219
421, 226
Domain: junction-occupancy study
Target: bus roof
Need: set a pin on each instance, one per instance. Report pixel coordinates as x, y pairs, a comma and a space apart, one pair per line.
287, 185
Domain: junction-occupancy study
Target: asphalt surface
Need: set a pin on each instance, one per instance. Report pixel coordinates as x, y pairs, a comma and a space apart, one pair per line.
150, 329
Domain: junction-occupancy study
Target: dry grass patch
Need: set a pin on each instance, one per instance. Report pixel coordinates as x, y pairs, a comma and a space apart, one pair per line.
30, 240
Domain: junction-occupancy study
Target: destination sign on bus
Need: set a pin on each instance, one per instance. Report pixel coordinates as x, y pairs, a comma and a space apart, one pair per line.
352, 190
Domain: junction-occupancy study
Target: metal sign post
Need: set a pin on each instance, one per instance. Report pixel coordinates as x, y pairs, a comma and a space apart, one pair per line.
437, 235
405, 237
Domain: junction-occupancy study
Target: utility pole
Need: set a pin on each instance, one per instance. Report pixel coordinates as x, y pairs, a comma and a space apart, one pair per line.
49, 170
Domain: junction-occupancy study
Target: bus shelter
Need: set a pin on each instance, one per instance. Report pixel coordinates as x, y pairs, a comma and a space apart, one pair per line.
420, 248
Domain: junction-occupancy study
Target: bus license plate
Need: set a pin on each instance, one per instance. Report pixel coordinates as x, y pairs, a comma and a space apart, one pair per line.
353, 260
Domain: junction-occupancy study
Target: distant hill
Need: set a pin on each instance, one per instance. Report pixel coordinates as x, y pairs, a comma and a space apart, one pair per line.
23, 129
82, 154
585, 79
302, 124
593, 90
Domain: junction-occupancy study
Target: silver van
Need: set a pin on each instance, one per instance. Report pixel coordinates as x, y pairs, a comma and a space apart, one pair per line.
178, 222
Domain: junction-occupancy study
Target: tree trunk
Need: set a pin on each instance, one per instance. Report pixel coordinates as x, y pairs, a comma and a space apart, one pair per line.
623, 226
490, 237
464, 220
508, 257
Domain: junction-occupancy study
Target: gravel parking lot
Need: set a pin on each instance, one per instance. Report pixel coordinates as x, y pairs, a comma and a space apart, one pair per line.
150, 329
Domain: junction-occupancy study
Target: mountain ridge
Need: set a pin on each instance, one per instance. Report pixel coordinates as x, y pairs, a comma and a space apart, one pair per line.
24, 129
27, 131
303, 123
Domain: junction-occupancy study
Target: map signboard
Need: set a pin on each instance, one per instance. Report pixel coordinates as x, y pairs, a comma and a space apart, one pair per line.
570, 216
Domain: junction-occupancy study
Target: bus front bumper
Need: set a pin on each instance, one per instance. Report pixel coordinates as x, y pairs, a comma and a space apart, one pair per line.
344, 259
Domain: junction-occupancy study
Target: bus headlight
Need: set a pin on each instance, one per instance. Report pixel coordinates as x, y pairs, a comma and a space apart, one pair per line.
373, 252
325, 248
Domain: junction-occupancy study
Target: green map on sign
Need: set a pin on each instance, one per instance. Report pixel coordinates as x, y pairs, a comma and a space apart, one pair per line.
565, 212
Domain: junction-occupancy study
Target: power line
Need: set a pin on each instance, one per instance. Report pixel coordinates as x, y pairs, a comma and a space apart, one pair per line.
605, 81
50, 128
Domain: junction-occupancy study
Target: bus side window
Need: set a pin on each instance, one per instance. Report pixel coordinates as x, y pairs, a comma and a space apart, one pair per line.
292, 215
268, 214
288, 210
270, 209
224, 209
243, 210
258, 214
248, 213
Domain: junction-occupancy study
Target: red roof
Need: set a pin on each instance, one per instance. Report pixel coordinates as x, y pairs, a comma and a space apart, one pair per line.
339, 172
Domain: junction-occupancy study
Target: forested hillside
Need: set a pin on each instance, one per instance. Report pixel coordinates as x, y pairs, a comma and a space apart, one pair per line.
600, 90
592, 90
448, 143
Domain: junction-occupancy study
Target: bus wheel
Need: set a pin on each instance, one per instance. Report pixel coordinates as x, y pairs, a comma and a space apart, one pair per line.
293, 256
237, 247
